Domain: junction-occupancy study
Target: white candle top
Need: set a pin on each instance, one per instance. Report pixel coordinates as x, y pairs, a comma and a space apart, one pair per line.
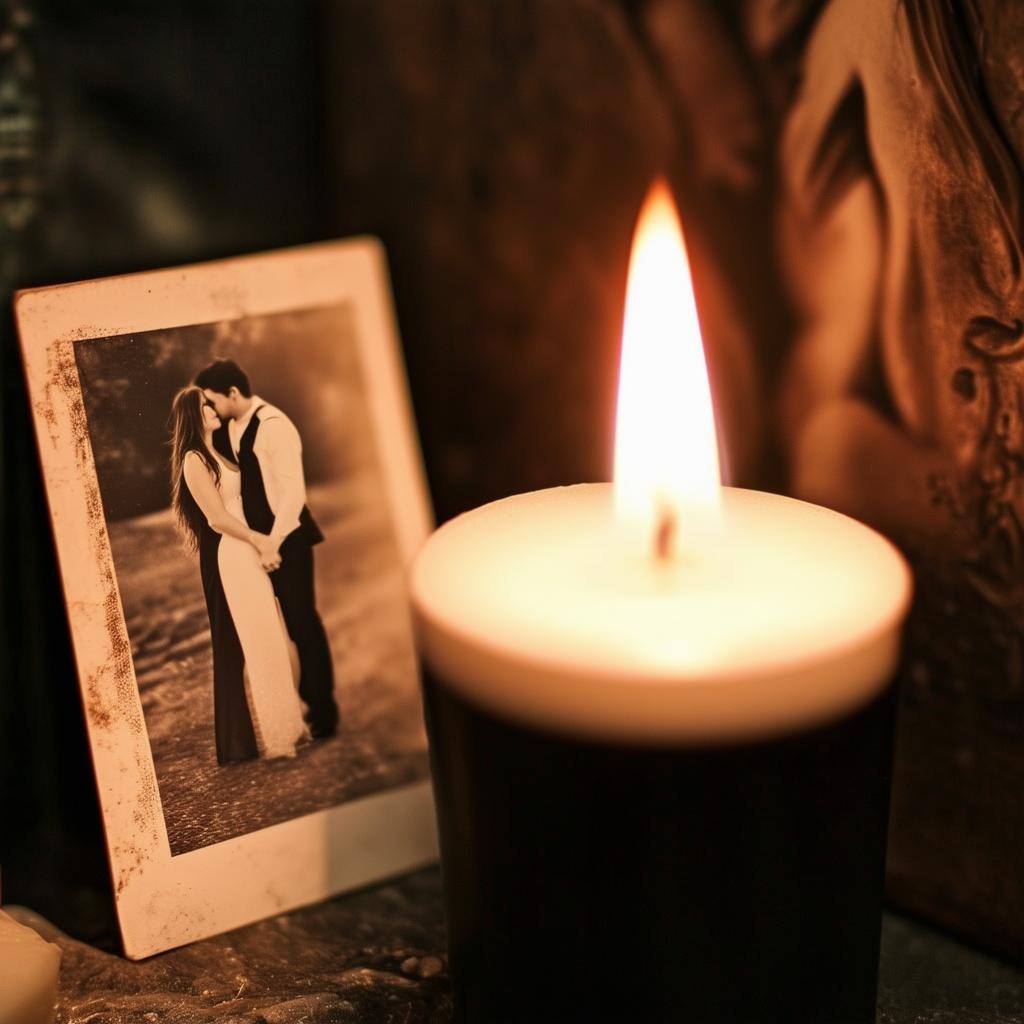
535, 608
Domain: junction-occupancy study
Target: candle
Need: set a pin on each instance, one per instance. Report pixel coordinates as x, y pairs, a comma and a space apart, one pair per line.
660, 719
29, 968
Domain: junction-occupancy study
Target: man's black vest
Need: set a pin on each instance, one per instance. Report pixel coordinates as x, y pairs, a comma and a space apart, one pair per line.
258, 513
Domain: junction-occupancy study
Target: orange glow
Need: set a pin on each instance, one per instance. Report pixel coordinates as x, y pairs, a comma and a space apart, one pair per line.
666, 449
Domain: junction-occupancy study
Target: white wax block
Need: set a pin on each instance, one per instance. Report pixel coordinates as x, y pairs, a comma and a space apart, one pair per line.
29, 968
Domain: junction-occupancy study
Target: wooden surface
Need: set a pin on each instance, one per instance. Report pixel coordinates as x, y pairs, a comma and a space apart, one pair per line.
377, 957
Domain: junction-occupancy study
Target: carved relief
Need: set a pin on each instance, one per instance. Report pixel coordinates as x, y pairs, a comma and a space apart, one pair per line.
901, 398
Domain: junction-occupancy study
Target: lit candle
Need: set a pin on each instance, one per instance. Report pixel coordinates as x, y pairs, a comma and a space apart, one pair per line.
29, 968
660, 718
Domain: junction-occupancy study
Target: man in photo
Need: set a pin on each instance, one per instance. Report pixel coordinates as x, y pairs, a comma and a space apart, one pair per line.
266, 447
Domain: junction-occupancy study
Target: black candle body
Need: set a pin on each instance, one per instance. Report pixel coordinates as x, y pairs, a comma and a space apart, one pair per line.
733, 884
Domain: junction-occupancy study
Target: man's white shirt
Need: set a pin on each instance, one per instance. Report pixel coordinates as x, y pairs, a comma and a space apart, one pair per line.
278, 449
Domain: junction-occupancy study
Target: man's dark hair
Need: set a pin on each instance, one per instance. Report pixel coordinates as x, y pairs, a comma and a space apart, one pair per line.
221, 376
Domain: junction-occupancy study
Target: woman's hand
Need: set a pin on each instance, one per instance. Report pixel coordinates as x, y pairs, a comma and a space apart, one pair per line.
267, 549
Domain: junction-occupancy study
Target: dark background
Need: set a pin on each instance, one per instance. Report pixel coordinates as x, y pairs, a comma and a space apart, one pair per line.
501, 150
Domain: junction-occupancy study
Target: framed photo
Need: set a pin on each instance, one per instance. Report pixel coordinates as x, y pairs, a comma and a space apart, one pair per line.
236, 491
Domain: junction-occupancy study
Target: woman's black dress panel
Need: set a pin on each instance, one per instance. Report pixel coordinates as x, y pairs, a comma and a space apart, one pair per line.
236, 740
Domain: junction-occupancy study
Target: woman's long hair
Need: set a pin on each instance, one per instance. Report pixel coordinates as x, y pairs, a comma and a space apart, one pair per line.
188, 435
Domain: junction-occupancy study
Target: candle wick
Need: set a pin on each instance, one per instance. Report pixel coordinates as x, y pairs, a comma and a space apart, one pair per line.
665, 533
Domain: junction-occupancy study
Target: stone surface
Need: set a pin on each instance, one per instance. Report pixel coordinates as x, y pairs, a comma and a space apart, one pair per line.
928, 978
377, 957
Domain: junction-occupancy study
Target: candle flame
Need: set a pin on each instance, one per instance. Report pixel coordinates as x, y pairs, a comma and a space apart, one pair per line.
667, 477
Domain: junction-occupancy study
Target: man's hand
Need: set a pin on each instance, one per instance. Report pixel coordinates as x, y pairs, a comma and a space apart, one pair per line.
268, 549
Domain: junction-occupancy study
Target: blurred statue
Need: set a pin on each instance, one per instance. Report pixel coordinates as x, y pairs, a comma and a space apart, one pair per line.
900, 402
900, 232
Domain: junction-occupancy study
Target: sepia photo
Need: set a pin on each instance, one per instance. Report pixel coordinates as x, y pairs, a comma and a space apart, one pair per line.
250, 493
262, 588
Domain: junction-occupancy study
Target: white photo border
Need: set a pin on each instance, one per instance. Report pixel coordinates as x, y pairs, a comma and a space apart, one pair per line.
164, 901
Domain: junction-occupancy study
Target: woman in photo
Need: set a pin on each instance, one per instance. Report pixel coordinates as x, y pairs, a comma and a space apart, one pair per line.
257, 711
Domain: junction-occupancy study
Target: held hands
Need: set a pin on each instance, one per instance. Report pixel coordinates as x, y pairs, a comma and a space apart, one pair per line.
267, 548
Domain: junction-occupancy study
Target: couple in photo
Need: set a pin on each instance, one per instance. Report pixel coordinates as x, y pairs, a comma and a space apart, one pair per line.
239, 495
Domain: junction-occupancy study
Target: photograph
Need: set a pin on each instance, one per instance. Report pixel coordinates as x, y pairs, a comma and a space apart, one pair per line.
236, 491
259, 575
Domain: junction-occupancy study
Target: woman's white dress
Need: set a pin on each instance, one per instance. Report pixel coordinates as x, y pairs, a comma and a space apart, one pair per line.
271, 683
